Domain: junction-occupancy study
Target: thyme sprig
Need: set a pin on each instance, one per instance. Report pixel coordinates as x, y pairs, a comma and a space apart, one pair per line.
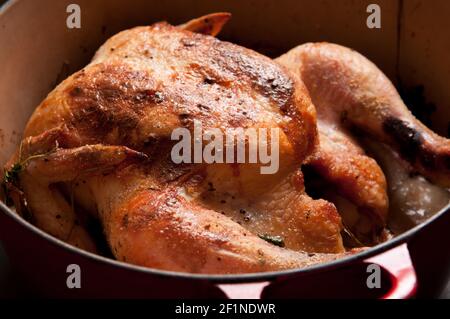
11, 177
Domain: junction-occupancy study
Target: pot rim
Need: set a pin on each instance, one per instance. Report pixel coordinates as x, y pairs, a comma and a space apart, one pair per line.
6, 5
229, 278
225, 278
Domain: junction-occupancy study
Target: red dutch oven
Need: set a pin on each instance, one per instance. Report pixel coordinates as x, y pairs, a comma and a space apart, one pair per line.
37, 50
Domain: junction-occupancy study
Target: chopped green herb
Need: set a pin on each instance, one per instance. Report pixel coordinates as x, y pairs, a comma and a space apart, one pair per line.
12, 175
275, 240
11, 178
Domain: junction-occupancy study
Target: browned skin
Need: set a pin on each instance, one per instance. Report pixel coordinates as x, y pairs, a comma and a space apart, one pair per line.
150, 217
142, 84
346, 86
351, 92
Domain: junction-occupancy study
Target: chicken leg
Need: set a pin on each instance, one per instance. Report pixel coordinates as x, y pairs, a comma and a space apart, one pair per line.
349, 90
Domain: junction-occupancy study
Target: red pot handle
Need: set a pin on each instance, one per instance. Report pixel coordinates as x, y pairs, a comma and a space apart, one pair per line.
243, 291
397, 262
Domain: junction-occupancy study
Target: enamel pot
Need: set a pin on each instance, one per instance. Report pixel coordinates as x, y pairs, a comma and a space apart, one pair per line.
38, 50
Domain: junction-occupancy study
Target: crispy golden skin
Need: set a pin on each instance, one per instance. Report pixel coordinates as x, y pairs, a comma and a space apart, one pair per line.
141, 85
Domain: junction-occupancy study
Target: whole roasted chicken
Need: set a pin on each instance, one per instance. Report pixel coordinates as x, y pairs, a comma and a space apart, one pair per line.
100, 146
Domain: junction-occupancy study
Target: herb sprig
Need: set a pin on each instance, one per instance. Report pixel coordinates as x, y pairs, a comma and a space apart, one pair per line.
11, 177
275, 240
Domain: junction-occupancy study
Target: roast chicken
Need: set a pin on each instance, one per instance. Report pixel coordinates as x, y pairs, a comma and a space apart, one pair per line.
99, 146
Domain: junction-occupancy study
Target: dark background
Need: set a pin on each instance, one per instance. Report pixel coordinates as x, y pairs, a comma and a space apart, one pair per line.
10, 286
